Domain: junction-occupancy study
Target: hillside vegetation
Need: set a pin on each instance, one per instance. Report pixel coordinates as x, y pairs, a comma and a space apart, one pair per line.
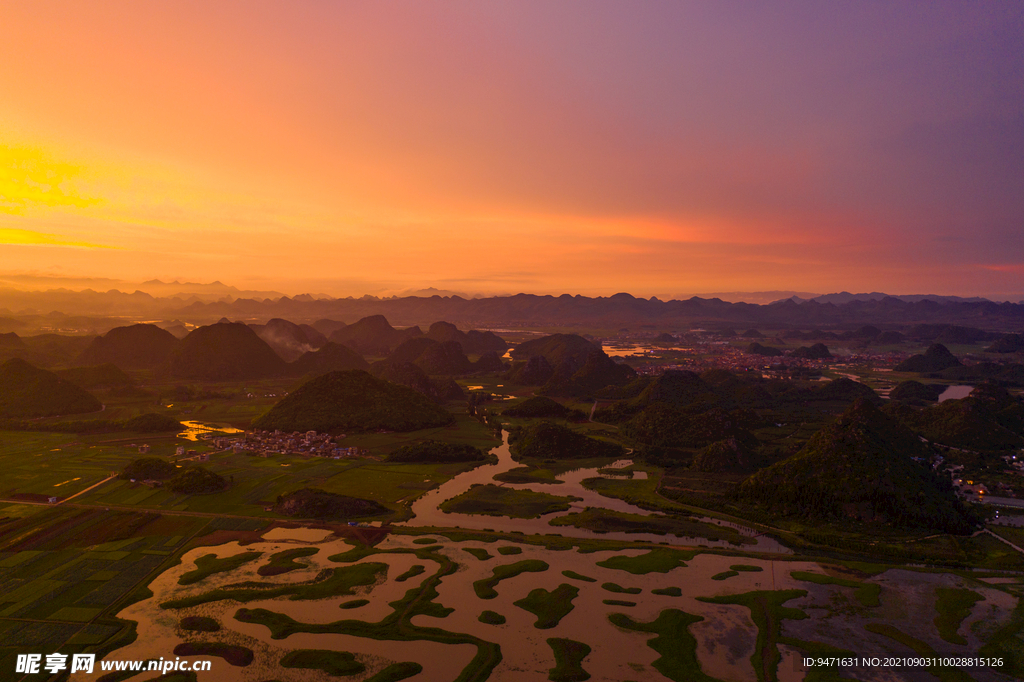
226, 351
544, 440
27, 392
314, 503
860, 467
437, 452
353, 401
138, 346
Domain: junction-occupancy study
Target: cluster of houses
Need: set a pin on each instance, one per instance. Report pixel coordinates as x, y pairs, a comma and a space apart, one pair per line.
266, 443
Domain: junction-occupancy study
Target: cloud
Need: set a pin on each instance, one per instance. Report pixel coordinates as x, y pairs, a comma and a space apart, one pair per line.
12, 236
30, 178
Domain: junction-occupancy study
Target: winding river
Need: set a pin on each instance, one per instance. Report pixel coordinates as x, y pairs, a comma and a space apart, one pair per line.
426, 511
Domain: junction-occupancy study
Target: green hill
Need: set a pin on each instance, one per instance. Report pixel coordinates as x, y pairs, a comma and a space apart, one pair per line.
149, 423
288, 339
224, 351
27, 392
542, 407
536, 371
439, 389
353, 401
935, 359
331, 357
988, 419
768, 351
46, 350
678, 388
544, 440
1008, 343
845, 390
373, 335
11, 341
138, 346
433, 357
726, 456
598, 372
663, 425
860, 467
196, 480
571, 366
313, 503
818, 351
915, 392
148, 469
98, 376
557, 349
473, 342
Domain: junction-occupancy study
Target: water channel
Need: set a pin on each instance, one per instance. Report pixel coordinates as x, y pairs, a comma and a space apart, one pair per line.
426, 509
726, 638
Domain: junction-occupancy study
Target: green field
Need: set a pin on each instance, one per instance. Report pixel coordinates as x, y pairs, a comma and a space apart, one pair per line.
500, 501
66, 571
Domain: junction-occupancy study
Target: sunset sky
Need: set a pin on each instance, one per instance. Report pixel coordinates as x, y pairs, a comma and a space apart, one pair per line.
658, 148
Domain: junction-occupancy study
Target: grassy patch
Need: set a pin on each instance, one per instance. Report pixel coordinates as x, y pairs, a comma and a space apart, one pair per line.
641, 492
528, 475
424, 541
569, 655
284, 562
491, 618
745, 568
668, 591
944, 673
676, 646
485, 588
397, 671
619, 589
353, 555
413, 571
767, 612
549, 607
866, 593
607, 521
397, 626
954, 605
210, 564
579, 576
509, 550
479, 552
1008, 643
339, 582
335, 663
501, 501
618, 602
353, 604
655, 561
724, 575
199, 624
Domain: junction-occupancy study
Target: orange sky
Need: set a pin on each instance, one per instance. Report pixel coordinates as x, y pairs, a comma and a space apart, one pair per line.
502, 147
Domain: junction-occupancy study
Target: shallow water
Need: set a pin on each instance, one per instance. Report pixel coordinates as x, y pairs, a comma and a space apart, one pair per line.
955, 392
298, 534
426, 512
194, 430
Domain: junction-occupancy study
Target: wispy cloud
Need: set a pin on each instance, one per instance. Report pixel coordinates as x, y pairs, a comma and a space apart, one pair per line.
18, 237
29, 178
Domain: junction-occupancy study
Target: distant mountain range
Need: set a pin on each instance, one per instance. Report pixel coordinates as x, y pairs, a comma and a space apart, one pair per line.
847, 297
88, 311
